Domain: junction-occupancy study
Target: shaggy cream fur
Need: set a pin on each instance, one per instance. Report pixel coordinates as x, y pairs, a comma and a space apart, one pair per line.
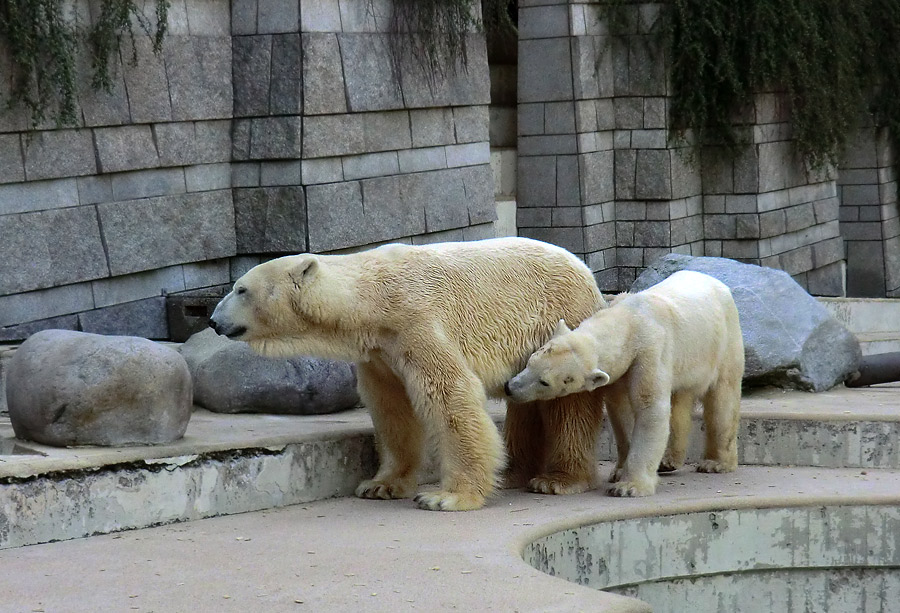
659, 351
434, 331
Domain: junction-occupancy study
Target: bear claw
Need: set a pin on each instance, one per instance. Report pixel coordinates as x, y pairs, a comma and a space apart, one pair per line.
382, 491
552, 485
629, 489
714, 466
448, 501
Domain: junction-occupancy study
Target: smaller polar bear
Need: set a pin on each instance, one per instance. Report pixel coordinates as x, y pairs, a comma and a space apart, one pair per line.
658, 351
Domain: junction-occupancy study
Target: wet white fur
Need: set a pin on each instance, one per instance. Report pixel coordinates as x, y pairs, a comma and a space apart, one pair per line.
434, 330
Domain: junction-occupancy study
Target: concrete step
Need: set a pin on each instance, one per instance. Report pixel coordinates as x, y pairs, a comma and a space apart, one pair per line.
230, 464
874, 321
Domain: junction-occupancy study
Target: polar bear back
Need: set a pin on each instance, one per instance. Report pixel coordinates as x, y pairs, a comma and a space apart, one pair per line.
692, 319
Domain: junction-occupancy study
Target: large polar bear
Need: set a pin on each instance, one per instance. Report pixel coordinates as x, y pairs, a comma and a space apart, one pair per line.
434, 330
658, 351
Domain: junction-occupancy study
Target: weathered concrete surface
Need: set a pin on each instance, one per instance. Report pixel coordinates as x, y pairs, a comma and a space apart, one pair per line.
874, 321
790, 340
74, 388
840, 559
350, 554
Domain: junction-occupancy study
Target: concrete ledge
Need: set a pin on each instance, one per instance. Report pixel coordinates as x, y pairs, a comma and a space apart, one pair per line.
230, 464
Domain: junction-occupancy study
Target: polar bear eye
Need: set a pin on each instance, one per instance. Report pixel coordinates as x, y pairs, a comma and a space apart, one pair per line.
240, 290
544, 383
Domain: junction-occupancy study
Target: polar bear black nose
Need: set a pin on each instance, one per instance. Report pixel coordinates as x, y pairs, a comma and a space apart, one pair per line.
506, 389
214, 325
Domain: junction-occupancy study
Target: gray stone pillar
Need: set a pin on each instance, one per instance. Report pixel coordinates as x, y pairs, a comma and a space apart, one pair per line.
870, 226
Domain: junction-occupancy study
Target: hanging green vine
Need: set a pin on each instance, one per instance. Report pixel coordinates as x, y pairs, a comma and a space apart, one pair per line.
433, 33
43, 40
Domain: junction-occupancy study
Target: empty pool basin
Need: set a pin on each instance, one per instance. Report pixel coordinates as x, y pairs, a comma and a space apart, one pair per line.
795, 559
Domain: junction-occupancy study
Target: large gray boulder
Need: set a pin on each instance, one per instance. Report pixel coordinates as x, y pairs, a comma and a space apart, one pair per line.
790, 340
73, 388
230, 378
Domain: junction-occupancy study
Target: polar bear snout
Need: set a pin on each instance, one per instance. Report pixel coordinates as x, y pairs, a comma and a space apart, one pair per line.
506, 389
230, 331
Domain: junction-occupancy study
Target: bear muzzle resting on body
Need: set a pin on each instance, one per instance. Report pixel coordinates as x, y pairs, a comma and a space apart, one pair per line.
656, 353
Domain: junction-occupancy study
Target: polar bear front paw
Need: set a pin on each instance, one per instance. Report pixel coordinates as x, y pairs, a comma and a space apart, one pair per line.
384, 490
557, 484
631, 489
715, 466
669, 464
448, 501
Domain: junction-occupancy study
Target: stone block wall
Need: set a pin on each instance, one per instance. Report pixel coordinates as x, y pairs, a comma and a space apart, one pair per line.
767, 207
97, 221
265, 127
869, 217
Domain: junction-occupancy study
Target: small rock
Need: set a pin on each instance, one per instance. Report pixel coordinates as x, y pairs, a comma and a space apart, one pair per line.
230, 378
74, 388
790, 340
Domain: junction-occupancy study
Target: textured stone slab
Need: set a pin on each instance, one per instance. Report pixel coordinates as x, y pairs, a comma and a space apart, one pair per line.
320, 16
101, 107
333, 135
286, 95
549, 76
442, 193
19, 332
270, 220
243, 17
275, 16
230, 378
144, 318
59, 153
187, 143
536, 181
431, 127
45, 303
136, 286
148, 183
38, 196
276, 138
12, 167
479, 184
199, 70
323, 74
457, 86
50, 248
125, 148
252, 72
368, 73
386, 131
790, 339
338, 219
73, 388
157, 232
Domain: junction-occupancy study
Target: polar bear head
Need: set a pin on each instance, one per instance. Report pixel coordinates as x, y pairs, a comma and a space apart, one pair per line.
267, 302
563, 366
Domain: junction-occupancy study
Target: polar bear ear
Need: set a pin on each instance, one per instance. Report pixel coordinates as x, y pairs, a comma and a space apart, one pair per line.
561, 328
304, 270
596, 379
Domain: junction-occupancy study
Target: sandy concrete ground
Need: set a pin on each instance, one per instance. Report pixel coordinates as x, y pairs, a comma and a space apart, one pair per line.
347, 554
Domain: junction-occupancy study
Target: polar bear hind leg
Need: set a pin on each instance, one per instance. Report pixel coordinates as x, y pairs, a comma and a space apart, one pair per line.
721, 416
572, 423
525, 442
679, 431
399, 433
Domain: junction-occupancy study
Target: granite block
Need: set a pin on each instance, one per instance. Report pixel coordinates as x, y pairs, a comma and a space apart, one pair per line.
323, 74
199, 71
286, 93
252, 74
549, 77
59, 153
270, 220
368, 73
39, 249
155, 232
125, 148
